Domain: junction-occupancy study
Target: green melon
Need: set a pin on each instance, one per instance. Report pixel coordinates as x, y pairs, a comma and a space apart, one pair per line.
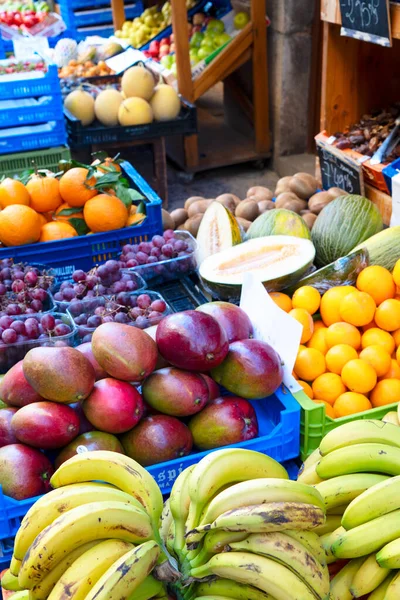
279, 222
342, 225
383, 248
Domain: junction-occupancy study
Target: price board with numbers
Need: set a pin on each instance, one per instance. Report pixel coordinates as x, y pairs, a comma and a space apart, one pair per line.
367, 20
339, 170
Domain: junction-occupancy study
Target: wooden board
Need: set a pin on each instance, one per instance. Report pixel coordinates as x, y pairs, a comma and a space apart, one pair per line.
330, 12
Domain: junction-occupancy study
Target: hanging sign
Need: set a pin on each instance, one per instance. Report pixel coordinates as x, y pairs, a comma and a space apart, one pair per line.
367, 20
339, 170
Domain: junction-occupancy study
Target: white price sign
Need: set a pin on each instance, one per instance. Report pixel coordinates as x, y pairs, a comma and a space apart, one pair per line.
26, 48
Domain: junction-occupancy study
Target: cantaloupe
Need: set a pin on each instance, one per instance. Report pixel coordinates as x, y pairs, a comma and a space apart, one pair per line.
165, 103
138, 82
135, 111
106, 106
218, 230
81, 105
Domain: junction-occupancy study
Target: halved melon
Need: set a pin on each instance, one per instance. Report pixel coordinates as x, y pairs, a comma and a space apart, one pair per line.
218, 230
277, 261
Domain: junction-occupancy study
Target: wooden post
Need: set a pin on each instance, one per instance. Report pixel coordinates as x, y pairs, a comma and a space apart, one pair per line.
260, 77
118, 13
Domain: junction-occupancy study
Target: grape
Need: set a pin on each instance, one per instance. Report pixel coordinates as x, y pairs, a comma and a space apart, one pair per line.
62, 329
152, 259
48, 322
155, 252
68, 294
155, 317
132, 263
145, 247
142, 322
141, 257
126, 248
29, 311
32, 328
5, 322
91, 281
102, 271
9, 336
13, 309
19, 327
37, 305
6, 273
158, 305
39, 294
100, 310
18, 285
80, 319
136, 312
79, 276
31, 278
143, 301
121, 318
112, 266
17, 274
168, 250
158, 241
178, 245
123, 298
168, 234
94, 321
108, 319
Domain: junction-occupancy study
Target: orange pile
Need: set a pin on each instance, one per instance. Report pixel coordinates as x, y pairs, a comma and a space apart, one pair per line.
350, 359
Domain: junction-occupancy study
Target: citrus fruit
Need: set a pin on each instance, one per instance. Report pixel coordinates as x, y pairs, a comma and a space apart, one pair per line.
328, 408
377, 282
359, 376
19, 225
396, 337
56, 230
306, 321
328, 387
310, 363
13, 191
396, 273
398, 355
393, 372
307, 388
378, 358
282, 300
319, 325
135, 219
105, 213
107, 165
338, 356
43, 219
330, 303
377, 336
351, 403
387, 315
75, 188
343, 333
368, 326
357, 308
385, 392
308, 298
44, 193
318, 340
65, 212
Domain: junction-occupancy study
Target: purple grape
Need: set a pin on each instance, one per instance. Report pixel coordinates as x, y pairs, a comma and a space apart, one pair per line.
5, 322
37, 305
158, 305
75, 308
9, 336
18, 286
80, 319
87, 338
94, 321
39, 294
79, 275
155, 252
112, 265
19, 327
62, 329
130, 256
31, 278
108, 319
169, 234
126, 248
163, 257
69, 294
145, 247
130, 286
32, 328
154, 317
123, 298
152, 259
17, 274
121, 318
58, 321
48, 322
100, 310
142, 322
102, 271
132, 263
141, 257
178, 245
30, 311
158, 241
13, 309
101, 289
6, 273
136, 312
167, 250
143, 301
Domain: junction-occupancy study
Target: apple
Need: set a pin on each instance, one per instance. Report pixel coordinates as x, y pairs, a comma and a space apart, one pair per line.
194, 56
221, 39
6, 434
205, 51
166, 41
196, 39
24, 471
215, 25
241, 19
164, 51
172, 48
154, 46
166, 61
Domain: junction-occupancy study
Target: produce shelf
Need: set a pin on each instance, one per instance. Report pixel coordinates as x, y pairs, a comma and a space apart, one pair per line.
330, 12
16, 164
97, 16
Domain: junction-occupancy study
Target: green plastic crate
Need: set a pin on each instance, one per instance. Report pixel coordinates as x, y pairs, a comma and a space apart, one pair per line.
15, 164
315, 424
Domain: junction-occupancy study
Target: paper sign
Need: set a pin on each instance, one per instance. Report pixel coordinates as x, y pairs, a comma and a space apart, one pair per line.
30, 47
395, 218
123, 61
272, 325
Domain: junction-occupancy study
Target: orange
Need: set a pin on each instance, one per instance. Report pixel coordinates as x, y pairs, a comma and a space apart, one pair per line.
282, 300
351, 403
368, 326
338, 356
43, 219
44, 193
135, 219
65, 212
308, 298
330, 303
385, 392
387, 315
396, 273
109, 165
318, 340
310, 363
357, 308
393, 372
377, 282
396, 337
13, 191
343, 333
359, 376
378, 358
307, 388
398, 355
75, 188
57, 230
377, 336
328, 408
328, 387
19, 225
319, 325
306, 321
105, 213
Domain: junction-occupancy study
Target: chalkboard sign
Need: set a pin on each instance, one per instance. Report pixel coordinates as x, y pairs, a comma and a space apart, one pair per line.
339, 170
367, 20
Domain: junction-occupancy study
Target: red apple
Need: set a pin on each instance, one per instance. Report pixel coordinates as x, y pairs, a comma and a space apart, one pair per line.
15, 390
6, 434
24, 471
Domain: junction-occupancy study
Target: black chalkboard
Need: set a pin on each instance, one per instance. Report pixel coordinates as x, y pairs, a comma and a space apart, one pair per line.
338, 170
366, 19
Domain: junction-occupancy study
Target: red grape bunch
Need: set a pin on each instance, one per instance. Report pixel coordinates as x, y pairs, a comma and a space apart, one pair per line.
32, 328
23, 289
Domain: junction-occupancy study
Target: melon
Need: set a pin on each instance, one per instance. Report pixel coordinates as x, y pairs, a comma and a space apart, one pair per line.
218, 230
279, 222
135, 111
81, 105
139, 82
106, 107
277, 261
165, 103
383, 248
342, 225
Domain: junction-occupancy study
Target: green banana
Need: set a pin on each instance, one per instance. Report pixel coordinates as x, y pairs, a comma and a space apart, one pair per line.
332, 522
150, 588
179, 502
15, 565
343, 489
361, 458
311, 541
368, 577
215, 542
10, 582
231, 589
170, 541
369, 431
213, 597
327, 540
389, 556
393, 589
380, 592
340, 584
382, 498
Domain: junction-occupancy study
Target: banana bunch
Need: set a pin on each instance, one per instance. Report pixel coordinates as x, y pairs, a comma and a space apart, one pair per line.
239, 528
356, 470
87, 540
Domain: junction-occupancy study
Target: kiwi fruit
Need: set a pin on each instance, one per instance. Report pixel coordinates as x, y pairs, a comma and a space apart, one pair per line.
309, 219
261, 192
192, 225
295, 205
179, 216
244, 223
264, 205
283, 185
191, 200
167, 220
306, 211
303, 185
285, 197
229, 201
336, 192
317, 202
199, 207
248, 209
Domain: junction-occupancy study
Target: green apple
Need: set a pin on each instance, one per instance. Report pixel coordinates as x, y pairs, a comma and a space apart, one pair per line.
167, 61
241, 19
221, 40
196, 39
204, 52
149, 21
215, 25
194, 56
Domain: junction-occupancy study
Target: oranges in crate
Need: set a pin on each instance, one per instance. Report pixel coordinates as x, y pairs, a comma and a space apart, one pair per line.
350, 356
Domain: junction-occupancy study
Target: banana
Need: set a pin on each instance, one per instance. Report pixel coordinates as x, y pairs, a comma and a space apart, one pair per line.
179, 501
290, 553
368, 577
393, 589
331, 523
215, 542
15, 565
170, 542
343, 489
58, 502
165, 521
389, 556
308, 475
228, 466
369, 537
361, 458
150, 588
369, 431
311, 541
380, 592
117, 469
261, 572
312, 459
10, 582
379, 500
94, 521
340, 584
231, 589
212, 597
126, 574
44, 587
391, 417
327, 540
260, 491
78, 580
22, 595
337, 510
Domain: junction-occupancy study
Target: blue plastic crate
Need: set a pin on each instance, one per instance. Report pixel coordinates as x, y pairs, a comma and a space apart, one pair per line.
390, 171
97, 16
27, 111
32, 137
8, 45
82, 4
31, 84
84, 252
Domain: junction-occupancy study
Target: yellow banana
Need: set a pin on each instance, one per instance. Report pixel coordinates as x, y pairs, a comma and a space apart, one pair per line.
340, 584
368, 577
231, 589
215, 542
10, 582
150, 588
327, 540
391, 417
58, 502
369, 431
331, 523
389, 556
342, 490
382, 498
165, 521
308, 475
312, 459
380, 592
126, 574
15, 565
94, 521
179, 504
170, 542
361, 458
393, 589
311, 541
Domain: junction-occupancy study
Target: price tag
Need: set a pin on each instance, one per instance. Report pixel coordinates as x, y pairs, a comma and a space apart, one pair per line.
26, 48
367, 20
339, 170
123, 61
272, 325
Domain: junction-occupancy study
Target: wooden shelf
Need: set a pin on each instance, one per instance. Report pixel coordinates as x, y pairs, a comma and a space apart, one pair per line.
383, 202
330, 12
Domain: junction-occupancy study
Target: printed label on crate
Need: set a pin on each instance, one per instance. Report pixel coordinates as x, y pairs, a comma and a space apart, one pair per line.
339, 170
366, 20
272, 325
29, 47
